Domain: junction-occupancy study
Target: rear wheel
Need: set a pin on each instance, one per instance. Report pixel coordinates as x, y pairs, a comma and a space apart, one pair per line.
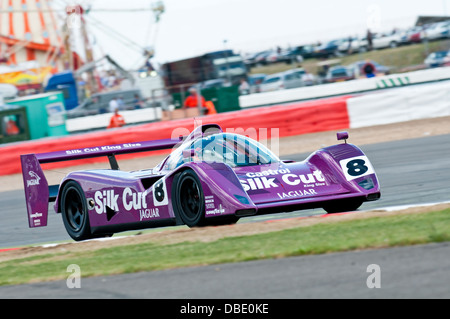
75, 212
346, 205
188, 198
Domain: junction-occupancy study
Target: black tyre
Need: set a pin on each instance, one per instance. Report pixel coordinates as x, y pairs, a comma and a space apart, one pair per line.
341, 206
188, 199
75, 212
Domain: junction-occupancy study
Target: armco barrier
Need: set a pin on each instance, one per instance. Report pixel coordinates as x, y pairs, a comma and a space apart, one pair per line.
292, 119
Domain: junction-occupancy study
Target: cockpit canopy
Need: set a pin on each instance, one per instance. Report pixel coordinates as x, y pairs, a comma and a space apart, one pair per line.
229, 148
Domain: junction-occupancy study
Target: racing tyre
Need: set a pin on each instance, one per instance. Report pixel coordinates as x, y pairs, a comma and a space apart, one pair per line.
75, 212
343, 206
188, 199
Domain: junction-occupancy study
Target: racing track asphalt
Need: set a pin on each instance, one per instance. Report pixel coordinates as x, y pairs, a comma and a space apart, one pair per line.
413, 171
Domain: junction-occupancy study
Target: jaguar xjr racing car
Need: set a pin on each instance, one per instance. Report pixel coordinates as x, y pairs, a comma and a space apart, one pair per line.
210, 178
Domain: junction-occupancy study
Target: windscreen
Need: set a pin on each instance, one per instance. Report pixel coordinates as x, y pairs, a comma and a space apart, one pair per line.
232, 149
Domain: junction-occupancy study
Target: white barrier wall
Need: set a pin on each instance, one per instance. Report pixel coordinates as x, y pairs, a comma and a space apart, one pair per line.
401, 105
102, 120
348, 87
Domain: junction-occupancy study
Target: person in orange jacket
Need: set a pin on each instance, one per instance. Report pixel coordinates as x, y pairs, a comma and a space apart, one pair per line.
116, 120
11, 128
210, 108
191, 100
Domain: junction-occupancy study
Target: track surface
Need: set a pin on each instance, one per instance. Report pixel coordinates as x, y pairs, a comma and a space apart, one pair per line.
406, 272
411, 172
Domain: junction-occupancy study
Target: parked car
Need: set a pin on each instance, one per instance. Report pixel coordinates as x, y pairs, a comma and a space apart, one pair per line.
405, 36
214, 83
255, 80
437, 31
327, 50
284, 80
339, 73
285, 56
438, 58
258, 58
386, 40
275, 56
297, 54
350, 44
99, 103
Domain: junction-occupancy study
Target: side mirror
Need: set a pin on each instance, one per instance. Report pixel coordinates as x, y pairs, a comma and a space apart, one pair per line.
342, 136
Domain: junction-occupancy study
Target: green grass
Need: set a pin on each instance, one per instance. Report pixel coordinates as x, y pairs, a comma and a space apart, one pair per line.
318, 239
400, 58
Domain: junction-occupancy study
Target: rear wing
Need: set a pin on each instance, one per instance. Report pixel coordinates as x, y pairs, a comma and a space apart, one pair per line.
38, 194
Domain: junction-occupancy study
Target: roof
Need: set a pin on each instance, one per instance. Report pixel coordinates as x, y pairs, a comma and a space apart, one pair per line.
421, 20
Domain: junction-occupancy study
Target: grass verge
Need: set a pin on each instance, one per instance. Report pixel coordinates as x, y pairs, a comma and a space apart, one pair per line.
374, 232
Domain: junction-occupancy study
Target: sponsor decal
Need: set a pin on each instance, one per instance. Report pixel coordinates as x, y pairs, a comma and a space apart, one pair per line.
262, 180
148, 213
216, 211
269, 172
297, 193
312, 178
102, 148
130, 200
36, 222
211, 207
258, 183
355, 167
36, 215
34, 179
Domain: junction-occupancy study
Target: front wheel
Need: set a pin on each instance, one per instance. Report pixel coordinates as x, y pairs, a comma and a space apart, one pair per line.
75, 212
188, 199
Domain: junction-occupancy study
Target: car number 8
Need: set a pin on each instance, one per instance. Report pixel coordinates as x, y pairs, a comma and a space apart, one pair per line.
355, 167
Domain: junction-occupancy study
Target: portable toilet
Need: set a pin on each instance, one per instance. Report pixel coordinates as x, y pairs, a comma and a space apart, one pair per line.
45, 114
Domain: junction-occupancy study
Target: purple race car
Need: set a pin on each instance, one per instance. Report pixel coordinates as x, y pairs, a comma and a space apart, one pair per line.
211, 178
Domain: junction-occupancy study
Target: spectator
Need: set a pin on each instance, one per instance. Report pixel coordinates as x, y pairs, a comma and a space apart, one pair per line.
12, 128
350, 49
113, 104
244, 88
137, 102
121, 103
116, 120
210, 108
191, 100
369, 40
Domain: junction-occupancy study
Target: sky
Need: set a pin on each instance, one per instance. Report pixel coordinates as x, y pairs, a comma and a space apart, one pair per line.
192, 27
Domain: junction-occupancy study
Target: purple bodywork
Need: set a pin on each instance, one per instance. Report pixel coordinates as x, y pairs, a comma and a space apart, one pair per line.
337, 178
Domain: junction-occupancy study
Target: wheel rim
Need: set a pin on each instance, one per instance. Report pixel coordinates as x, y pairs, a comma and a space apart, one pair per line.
74, 210
190, 197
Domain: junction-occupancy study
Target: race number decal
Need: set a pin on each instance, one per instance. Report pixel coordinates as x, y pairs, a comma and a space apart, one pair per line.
356, 167
160, 193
